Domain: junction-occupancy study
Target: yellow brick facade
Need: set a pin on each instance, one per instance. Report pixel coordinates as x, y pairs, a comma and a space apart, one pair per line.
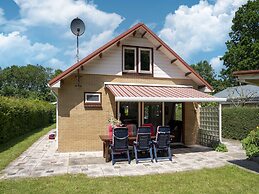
79, 128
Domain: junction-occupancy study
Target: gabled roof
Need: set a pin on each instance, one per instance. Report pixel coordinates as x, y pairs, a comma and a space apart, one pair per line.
114, 41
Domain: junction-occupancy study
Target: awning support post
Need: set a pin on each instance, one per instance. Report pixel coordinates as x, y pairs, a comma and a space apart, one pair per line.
220, 123
118, 111
163, 113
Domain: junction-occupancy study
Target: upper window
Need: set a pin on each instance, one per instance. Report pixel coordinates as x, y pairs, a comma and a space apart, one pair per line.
137, 59
129, 59
145, 65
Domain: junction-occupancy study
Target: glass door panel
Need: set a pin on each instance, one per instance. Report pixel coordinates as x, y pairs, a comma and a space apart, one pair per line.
153, 113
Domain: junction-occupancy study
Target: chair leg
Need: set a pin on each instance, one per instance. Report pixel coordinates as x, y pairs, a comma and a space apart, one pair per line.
136, 154
128, 156
169, 153
151, 154
112, 154
155, 152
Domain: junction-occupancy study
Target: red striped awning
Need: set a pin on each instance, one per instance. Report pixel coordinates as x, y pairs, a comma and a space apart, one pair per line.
155, 93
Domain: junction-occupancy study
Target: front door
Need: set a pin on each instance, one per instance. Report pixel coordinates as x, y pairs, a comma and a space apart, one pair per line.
153, 113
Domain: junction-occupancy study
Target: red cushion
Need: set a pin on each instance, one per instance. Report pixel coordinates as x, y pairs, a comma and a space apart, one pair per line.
151, 128
110, 130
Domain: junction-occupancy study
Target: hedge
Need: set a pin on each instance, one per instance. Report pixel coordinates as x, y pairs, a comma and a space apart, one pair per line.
237, 122
19, 116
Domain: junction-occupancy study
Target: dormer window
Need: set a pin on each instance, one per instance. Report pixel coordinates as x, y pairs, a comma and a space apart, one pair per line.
137, 59
145, 65
129, 59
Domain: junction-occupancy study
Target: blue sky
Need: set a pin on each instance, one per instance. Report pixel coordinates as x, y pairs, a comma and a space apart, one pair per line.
38, 32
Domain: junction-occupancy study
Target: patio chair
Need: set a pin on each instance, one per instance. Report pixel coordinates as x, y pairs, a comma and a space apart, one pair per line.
143, 143
162, 142
119, 143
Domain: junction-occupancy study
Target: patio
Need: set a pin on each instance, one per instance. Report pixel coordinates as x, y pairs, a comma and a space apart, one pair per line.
42, 159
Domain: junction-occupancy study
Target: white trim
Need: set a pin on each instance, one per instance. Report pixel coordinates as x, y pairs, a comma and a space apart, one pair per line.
57, 122
150, 59
139, 84
220, 123
56, 85
135, 56
163, 99
93, 94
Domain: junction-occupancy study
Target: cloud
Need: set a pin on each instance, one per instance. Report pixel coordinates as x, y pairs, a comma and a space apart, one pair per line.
216, 64
49, 20
200, 28
17, 49
61, 12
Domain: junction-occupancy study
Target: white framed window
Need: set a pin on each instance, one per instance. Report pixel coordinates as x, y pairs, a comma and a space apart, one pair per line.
93, 98
129, 59
145, 60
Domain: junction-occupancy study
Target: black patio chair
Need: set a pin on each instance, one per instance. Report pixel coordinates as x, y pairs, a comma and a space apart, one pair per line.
120, 144
162, 142
143, 143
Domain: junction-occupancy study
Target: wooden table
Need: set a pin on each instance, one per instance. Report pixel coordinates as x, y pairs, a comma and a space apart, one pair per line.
107, 140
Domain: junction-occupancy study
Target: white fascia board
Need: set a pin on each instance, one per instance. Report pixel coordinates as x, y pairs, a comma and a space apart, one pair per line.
56, 85
159, 99
205, 90
139, 84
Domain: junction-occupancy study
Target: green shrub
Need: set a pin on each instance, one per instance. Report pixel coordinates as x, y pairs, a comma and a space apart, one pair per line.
219, 147
251, 143
237, 122
18, 116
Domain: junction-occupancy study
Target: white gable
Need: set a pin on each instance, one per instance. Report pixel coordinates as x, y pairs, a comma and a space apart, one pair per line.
110, 63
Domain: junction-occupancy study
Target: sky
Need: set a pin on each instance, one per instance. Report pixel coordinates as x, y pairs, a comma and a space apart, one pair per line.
38, 32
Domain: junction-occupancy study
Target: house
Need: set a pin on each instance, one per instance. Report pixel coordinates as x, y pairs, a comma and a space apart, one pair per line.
136, 78
240, 95
248, 76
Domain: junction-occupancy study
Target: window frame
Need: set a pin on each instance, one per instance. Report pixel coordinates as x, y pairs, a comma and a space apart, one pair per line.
135, 61
93, 103
150, 59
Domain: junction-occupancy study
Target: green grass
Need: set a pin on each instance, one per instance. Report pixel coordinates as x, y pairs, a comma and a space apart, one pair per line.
12, 149
228, 179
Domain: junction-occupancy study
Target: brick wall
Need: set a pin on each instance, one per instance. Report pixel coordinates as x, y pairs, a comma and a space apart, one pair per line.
79, 128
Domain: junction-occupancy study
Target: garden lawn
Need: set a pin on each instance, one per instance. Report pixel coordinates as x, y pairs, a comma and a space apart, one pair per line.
12, 149
228, 179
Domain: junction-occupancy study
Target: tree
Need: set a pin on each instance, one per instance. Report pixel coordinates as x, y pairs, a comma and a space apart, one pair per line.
243, 46
207, 72
27, 82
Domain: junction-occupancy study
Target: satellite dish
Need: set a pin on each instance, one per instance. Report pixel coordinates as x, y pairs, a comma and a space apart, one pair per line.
77, 27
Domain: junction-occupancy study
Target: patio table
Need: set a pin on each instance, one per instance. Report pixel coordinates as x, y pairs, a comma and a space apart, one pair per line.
107, 140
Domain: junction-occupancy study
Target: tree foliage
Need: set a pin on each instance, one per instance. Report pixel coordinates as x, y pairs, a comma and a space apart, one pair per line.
207, 72
27, 82
243, 47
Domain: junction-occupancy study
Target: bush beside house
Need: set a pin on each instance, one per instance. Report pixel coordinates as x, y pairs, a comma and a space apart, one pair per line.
19, 116
237, 122
251, 143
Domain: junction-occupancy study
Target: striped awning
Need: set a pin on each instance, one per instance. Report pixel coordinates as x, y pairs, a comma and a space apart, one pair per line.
158, 93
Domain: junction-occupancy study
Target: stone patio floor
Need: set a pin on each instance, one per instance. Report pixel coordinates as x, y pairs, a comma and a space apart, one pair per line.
43, 159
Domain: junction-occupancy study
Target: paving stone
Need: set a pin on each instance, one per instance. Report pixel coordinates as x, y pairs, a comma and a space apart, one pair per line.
43, 159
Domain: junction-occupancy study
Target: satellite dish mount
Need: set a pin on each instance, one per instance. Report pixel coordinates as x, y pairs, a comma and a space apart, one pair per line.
78, 28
